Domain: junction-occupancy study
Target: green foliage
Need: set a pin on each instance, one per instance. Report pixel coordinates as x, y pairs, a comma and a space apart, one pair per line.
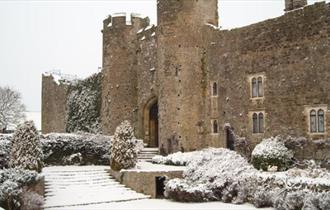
83, 105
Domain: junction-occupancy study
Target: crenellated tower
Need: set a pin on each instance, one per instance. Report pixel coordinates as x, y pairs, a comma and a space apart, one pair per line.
182, 71
119, 84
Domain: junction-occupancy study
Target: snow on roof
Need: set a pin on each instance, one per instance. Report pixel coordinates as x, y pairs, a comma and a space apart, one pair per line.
119, 14
213, 26
60, 77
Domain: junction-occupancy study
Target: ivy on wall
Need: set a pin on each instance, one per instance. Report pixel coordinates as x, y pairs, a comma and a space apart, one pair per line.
83, 105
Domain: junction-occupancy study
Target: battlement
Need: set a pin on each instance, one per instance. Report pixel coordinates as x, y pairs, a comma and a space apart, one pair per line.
147, 33
120, 20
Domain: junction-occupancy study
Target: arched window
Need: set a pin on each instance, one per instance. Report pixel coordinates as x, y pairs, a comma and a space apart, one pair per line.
215, 126
320, 115
254, 88
255, 123
261, 122
215, 89
260, 87
313, 122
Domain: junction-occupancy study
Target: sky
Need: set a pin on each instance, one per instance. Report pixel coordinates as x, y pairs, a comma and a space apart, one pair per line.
44, 35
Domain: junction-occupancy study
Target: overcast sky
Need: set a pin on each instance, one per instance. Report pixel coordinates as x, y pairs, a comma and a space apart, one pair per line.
38, 36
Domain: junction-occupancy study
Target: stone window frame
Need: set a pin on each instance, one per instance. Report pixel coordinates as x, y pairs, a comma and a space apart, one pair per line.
252, 125
260, 92
213, 131
214, 93
317, 108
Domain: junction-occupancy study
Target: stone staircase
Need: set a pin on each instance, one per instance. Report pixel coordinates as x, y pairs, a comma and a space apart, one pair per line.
146, 154
74, 186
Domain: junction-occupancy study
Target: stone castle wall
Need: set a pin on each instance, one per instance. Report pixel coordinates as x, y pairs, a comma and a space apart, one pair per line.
176, 63
292, 53
54, 97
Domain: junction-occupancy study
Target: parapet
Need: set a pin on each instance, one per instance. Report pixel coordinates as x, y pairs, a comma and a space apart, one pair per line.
60, 78
119, 20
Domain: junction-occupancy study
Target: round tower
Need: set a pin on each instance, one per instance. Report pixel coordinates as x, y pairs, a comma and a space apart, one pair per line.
182, 72
119, 82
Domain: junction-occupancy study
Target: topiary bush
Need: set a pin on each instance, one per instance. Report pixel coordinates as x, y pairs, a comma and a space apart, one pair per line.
272, 152
26, 150
123, 151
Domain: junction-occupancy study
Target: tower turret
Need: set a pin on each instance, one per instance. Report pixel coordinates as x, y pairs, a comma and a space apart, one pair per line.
182, 71
119, 83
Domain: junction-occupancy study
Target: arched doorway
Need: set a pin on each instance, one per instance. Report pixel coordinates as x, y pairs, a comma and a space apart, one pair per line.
151, 123
230, 138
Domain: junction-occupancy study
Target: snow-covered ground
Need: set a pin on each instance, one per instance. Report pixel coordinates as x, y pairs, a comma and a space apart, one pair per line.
162, 204
91, 187
83, 185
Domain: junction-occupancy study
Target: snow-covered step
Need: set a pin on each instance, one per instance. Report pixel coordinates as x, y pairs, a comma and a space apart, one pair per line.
146, 154
84, 185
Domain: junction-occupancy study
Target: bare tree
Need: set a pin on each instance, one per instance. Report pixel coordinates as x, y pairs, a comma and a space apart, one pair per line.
11, 108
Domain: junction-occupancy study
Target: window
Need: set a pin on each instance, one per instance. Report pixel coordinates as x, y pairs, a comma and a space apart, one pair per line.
316, 120
258, 122
215, 127
254, 88
320, 116
215, 89
257, 87
313, 121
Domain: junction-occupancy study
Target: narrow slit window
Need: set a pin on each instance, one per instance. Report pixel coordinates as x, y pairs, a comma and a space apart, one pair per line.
313, 122
215, 126
215, 89
320, 121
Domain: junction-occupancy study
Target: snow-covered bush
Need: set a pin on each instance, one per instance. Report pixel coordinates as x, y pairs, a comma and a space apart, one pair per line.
272, 152
213, 174
83, 105
64, 149
26, 151
12, 182
223, 175
123, 151
5, 146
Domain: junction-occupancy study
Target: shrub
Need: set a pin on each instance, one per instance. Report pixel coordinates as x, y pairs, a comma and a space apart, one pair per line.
271, 152
76, 149
5, 146
12, 182
26, 151
123, 151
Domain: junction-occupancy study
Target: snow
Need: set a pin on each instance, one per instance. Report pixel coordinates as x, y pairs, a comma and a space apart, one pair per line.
272, 147
212, 26
150, 167
159, 204
143, 38
82, 185
119, 14
148, 27
60, 78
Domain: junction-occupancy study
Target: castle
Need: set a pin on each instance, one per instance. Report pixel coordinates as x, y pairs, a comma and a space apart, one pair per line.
185, 84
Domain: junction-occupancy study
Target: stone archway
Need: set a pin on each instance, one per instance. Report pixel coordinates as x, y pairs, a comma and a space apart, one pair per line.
150, 122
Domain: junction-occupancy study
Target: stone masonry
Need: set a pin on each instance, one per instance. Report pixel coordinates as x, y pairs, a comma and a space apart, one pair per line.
188, 85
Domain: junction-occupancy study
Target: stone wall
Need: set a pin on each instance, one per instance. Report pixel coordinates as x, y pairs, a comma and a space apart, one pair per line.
54, 97
292, 53
144, 181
